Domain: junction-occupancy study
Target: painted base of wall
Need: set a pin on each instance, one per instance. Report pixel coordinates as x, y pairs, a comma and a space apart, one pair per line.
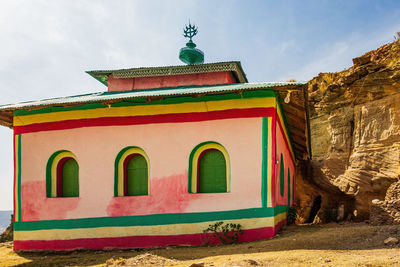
142, 241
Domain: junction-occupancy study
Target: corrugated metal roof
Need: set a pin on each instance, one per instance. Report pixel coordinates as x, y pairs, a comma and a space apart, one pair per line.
179, 91
234, 66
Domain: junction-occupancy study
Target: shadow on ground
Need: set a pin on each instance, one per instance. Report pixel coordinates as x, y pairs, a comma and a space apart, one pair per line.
352, 236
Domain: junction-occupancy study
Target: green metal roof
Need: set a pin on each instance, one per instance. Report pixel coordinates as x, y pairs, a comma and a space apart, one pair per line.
303, 146
178, 91
233, 66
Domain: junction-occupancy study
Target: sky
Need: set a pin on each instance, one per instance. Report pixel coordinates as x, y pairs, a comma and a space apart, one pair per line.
46, 46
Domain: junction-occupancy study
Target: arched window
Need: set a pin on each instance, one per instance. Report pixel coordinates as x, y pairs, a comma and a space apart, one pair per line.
62, 175
70, 179
212, 172
136, 176
282, 176
131, 172
209, 169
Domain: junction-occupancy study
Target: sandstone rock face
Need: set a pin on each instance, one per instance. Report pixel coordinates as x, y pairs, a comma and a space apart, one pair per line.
334, 203
391, 241
355, 132
387, 211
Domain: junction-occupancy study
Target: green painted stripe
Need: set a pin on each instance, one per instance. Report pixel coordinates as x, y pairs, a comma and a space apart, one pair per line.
58, 108
19, 177
143, 102
117, 160
155, 219
264, 168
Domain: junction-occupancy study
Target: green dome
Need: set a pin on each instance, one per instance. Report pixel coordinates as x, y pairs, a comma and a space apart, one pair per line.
191, 55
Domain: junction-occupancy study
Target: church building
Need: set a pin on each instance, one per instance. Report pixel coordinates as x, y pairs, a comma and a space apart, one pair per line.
157, 158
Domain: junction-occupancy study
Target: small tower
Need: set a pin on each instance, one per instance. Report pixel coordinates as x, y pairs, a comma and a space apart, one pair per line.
190, 54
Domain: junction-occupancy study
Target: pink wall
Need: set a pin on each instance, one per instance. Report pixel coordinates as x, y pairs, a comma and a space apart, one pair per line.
282, 147
168, 147
210, 78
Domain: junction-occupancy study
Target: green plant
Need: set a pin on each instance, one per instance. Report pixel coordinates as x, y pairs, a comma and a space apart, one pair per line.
227, 233
291, 215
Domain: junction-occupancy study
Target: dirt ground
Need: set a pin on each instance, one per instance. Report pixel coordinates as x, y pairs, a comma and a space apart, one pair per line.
352, 244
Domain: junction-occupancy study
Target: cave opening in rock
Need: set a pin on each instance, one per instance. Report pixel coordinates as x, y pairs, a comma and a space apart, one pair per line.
314, 209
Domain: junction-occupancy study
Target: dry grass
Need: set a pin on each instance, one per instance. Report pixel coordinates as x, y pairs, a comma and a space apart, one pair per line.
321, 245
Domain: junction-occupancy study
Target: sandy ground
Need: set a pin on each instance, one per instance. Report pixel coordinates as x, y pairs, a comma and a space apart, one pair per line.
353, 244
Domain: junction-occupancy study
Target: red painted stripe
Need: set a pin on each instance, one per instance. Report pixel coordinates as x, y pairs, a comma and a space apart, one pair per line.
133, 120
59, 177
15, 176
141, 241
279, 225
127, 159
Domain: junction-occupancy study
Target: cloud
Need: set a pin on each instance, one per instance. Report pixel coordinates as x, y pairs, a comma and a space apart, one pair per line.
47, 45
337, 56
328, 61
286, 45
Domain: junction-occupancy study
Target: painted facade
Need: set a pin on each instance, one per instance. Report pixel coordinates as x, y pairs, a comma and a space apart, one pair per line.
170, 137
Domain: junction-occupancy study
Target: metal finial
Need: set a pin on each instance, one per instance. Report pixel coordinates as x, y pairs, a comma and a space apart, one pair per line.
189, 54
190, 31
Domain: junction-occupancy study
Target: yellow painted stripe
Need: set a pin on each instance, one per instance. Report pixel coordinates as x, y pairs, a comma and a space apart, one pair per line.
54, 165
145, 110
195, 161
269, 164
16, 189
278, 218
171, 229
134, 150
279, 111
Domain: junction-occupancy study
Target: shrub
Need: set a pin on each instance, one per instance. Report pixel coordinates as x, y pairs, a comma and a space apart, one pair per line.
291, 216
227, 233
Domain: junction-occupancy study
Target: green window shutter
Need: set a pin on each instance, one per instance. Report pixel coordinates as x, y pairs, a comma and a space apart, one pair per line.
288, 182
282, 176
212, 172
137, 176
70, 178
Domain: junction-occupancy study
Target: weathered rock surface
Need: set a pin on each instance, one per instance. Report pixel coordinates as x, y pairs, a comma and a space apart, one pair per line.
355, 132
387, 211
391, 241
310, 190
8, 234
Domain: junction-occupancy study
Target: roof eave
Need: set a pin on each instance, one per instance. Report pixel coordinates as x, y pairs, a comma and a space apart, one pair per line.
97, 76
232, 66
164, 92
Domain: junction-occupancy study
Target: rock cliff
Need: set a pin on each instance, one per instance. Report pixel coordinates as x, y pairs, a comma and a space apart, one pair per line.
355, 135
387, 211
